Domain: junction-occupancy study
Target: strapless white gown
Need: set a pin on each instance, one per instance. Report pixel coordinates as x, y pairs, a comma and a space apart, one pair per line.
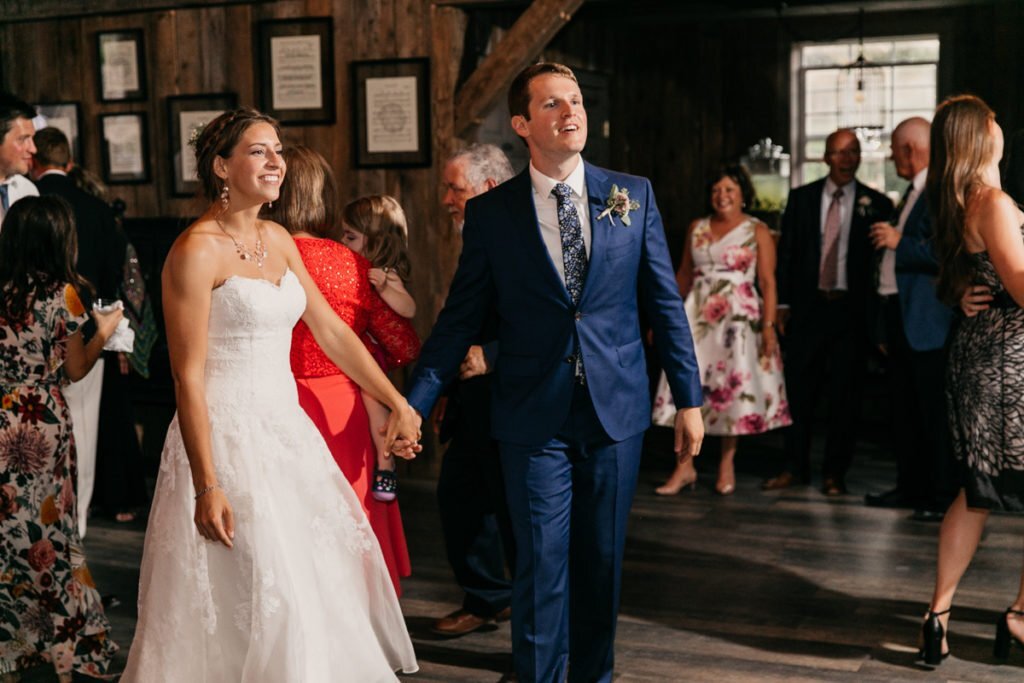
304, 596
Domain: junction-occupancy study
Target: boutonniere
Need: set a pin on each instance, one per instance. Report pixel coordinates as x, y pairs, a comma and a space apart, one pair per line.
864, 207
619, 204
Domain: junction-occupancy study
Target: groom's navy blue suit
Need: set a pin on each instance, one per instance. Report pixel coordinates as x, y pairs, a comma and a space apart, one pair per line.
570, 452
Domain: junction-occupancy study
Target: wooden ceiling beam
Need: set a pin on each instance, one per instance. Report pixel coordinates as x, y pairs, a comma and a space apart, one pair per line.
522, 43
34, 10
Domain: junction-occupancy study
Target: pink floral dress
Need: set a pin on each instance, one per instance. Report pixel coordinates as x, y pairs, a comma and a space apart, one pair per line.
744, 392
50, 611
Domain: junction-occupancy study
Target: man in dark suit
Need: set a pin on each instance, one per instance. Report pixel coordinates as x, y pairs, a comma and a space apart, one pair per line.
566, 254
470, 489
824, 280
101, 250
914, 326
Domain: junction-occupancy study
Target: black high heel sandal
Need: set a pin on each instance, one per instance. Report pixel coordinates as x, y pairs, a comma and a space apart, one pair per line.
1001, 648
932, 634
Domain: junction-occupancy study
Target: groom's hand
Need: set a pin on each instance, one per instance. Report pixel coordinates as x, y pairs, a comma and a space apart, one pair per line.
689, 429
402, 433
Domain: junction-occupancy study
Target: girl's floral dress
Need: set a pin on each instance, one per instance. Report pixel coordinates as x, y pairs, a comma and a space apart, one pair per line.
50, 610
744, 392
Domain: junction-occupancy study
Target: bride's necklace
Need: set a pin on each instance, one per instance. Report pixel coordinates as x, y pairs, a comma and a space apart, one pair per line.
258, 251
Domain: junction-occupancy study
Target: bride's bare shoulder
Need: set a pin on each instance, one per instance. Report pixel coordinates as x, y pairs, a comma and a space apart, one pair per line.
195, 250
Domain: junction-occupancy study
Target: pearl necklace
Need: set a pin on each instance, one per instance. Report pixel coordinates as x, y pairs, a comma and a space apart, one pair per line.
256, 254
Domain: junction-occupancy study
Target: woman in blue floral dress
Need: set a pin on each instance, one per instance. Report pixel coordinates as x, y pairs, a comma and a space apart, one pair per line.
728, 278
50, 611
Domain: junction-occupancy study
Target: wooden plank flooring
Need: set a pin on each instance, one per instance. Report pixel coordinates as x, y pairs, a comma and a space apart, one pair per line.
759, 586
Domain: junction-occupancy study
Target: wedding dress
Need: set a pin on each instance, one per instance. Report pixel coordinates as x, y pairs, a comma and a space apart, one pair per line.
303, 596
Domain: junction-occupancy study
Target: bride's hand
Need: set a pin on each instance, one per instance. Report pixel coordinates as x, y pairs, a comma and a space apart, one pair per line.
214, 518
402, 432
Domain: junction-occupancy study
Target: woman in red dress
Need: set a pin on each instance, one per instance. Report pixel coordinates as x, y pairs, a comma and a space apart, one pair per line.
307, 207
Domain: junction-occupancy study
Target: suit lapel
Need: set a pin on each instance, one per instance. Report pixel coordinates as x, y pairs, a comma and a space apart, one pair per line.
813, 218
523, 216
598, 188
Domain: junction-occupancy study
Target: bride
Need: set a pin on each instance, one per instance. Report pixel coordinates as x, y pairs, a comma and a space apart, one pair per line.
280, 577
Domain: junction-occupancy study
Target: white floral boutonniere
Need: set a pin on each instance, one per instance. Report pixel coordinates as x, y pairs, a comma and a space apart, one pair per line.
864, 207
619, 204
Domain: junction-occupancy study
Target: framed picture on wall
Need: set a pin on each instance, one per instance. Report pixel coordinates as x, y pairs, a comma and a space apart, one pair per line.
186, 117
123, 142
121, 57
65, 116
391, 100
296, 69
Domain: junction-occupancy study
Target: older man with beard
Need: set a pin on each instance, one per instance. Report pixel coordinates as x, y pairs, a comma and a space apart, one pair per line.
470, 489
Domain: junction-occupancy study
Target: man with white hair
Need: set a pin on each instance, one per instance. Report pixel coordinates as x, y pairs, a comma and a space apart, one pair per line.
914, 327
470, 488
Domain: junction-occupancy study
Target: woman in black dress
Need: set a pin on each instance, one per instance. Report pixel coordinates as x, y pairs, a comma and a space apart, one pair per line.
978, 242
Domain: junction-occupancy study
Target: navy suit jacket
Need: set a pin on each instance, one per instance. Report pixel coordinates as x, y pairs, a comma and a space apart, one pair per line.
505, 268
926, 320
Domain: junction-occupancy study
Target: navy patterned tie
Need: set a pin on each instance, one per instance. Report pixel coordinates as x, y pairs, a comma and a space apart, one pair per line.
574, 257
4, 203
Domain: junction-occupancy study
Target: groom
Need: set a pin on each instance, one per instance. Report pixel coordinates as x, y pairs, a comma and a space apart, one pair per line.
564, 272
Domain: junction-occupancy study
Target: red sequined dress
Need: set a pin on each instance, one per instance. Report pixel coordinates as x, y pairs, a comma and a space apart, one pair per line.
332, 400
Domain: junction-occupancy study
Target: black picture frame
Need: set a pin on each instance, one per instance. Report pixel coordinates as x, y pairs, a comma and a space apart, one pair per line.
287, 69
56, 114
124, 144
389, 97
121, 61
190, 111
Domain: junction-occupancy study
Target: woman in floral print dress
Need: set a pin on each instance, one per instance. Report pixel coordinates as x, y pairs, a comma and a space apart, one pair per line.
50, 611
729, 256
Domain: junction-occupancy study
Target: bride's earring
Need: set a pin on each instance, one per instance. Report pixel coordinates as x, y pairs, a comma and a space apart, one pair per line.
224, 197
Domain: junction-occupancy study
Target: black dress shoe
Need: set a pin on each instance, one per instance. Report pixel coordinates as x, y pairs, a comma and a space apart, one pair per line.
894, 498
926, 515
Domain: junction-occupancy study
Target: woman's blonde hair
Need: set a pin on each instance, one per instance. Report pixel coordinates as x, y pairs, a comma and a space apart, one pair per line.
379, 217
309, 195
962, 146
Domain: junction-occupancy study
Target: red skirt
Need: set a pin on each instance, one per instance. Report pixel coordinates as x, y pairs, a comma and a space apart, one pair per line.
335, 404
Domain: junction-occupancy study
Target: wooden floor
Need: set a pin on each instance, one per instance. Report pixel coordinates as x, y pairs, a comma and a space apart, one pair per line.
786, 586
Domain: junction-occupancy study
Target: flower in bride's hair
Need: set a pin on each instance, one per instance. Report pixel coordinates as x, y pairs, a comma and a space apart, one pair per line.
197, 130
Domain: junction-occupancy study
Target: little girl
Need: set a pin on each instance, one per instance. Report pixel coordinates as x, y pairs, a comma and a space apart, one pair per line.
375, 227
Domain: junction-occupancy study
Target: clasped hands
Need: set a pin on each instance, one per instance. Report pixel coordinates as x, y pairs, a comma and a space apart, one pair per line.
402, 432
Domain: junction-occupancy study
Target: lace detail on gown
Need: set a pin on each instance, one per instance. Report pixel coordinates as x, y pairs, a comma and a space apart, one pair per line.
304, 593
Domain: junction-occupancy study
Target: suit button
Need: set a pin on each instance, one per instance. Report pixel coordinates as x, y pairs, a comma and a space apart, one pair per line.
570, 359
578, 316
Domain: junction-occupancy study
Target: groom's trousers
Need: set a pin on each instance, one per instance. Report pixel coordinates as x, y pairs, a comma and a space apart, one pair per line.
569, 500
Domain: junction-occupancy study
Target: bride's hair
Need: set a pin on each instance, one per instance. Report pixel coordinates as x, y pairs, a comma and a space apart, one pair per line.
961, 146
380, 218
218, 139
38, 247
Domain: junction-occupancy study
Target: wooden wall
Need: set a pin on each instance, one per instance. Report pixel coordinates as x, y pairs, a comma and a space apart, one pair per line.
202, 50
688, 93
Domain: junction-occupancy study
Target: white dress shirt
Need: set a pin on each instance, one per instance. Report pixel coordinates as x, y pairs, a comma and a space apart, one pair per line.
546, 205
18, 187
845, 217
887, 269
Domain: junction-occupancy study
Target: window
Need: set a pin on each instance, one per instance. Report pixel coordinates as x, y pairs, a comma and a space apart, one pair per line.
898, 81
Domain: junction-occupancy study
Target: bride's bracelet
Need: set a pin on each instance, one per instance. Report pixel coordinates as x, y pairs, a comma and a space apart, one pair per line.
203, 492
